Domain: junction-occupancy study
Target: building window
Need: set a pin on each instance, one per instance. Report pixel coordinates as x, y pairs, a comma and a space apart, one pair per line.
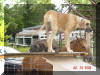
20, 40
35, 37
27, 41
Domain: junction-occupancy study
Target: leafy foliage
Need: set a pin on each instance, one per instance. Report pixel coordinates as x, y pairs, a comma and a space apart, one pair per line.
1, 23
90, 13
34, 1
19, 16
80, 1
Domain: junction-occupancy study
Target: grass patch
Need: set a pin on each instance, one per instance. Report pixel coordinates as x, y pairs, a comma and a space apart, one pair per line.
22, 49
19, 48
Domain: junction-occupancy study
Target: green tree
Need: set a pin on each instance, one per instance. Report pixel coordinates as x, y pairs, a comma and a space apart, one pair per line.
19, 16
34, 1
80, 1
1, 23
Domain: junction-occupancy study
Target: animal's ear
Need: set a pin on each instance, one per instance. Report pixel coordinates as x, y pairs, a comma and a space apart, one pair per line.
83, 22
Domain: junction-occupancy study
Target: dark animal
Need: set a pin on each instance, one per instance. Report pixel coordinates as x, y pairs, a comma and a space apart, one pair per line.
41, 46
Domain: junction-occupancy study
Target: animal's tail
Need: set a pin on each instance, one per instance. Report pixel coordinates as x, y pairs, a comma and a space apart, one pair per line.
43, 26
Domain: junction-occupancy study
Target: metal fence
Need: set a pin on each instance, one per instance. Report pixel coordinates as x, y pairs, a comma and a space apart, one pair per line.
27, 66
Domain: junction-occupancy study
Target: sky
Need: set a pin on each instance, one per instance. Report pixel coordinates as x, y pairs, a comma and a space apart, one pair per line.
58, 5
57, 2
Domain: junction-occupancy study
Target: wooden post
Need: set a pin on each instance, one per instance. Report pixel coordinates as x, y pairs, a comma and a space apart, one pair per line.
60, 41
23, 40
15, 40
31, 40
88, 39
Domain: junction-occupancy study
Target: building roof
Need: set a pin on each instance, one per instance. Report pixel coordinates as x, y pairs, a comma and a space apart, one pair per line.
26, 33
29, 31
32, 28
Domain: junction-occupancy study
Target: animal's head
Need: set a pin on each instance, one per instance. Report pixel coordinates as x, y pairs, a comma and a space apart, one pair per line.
79, 45
86, 24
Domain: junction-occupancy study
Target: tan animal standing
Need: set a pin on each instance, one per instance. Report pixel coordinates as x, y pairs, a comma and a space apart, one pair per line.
60, 22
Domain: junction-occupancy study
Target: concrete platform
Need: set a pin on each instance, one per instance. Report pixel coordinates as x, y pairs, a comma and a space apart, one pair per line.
69, 64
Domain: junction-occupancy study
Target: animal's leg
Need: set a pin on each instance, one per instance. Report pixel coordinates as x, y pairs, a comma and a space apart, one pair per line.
50, 40
47, 29
67, 39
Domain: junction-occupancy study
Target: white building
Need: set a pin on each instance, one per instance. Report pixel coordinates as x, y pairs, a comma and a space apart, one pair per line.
26, 36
